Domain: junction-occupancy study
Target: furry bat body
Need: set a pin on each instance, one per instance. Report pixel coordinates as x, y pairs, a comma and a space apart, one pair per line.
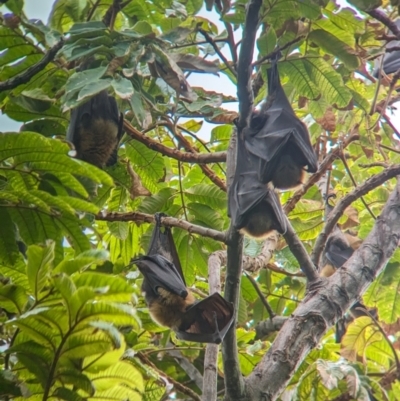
95, 130
171, 303
254, 208
279, 140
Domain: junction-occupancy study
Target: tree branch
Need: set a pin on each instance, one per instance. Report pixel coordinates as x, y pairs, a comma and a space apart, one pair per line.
187, 366
318, 311
245, 94
300, 253
201, 158
138, 217
347, 200
234, 382
210, 40
180, 387
211, 356
26, 76
382, 17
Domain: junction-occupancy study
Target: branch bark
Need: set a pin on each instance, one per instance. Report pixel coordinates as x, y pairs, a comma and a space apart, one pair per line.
313, 317
245, 94
138, 217
27, 75
215, 262
188, 157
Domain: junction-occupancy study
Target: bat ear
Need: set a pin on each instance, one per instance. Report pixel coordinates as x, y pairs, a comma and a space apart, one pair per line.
236, 122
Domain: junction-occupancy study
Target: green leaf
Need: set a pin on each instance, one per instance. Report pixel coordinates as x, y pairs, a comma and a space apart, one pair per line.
329, 43
13, 298
40, 259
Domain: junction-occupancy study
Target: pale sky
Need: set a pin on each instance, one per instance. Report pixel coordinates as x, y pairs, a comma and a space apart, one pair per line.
40, 9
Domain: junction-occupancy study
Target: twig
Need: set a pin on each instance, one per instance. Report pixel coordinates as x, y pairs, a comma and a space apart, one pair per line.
180, 387
375, 164
396, 358
264, 301
231, 39
188, 157
278, 50
346, 166
189, 148
138, 217
210, 40
337, 211
25, 77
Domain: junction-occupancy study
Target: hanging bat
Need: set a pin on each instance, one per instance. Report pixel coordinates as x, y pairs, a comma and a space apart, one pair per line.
253, 207
339, 248
279, 140
391, 60
95, 129
171, 303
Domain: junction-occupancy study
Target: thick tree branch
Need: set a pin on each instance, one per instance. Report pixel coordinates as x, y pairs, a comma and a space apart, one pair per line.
26, 76
319, 310
347, 200
245, 94
268, 326
201, 158
138, 217
234, 383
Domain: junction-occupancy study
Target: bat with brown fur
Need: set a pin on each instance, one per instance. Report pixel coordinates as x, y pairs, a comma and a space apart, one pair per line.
253, 207
95, 129
171, 303
279, 140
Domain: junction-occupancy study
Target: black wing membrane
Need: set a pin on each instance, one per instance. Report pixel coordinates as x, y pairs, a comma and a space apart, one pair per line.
391, 60
207, 321
162, 243
248, 197
95, 129
204, 321
276, 132
161, 266
160, 272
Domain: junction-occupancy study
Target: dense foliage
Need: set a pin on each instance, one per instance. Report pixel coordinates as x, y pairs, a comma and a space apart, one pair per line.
74, 325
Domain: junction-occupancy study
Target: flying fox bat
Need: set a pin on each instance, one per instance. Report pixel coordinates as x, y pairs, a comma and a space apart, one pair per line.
279, 140
95, 129
253, 207
339, 248
391, 60
171, 303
